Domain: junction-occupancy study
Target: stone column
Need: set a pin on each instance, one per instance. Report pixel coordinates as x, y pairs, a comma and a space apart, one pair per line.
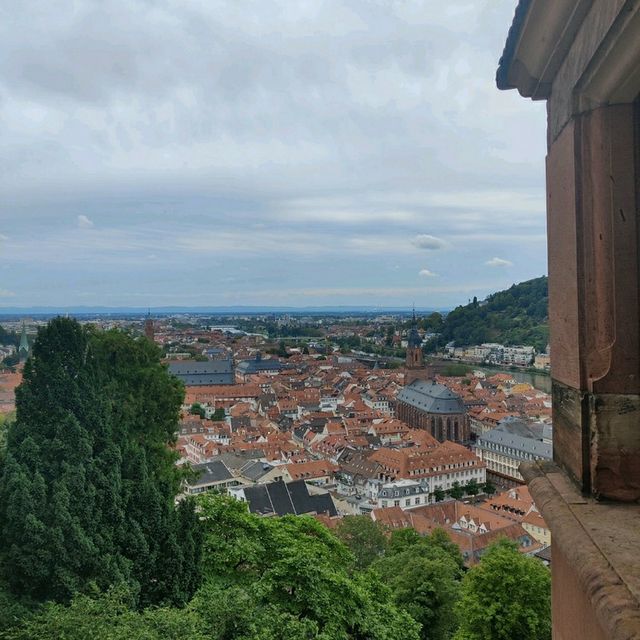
594, 300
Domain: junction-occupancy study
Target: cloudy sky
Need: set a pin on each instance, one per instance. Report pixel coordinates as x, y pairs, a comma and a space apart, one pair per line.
308, 152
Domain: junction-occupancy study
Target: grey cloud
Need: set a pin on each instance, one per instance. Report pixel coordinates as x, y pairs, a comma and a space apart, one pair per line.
428, 242
301, 135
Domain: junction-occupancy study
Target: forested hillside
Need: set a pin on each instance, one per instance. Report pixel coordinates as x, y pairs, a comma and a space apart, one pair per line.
518, 315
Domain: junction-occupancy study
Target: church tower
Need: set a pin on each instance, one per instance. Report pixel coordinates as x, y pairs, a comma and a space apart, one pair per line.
149, 329
415, 358
414, 363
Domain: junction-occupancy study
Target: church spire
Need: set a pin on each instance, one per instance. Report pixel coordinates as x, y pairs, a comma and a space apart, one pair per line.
23, 349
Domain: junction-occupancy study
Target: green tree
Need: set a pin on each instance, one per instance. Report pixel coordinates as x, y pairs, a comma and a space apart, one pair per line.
218, 415
108, 617
489, 488
507, 595
438, 494
88, 485
456, 491
197, 409
8, 337
388, 340
5, 420
289, 577
364, 537
11, 360
423, 573
472, 488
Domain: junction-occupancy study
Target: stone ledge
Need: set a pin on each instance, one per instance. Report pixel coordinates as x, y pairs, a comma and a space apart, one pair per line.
601, 542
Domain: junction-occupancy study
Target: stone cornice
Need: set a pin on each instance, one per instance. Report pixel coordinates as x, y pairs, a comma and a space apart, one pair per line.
601, 542
539, 38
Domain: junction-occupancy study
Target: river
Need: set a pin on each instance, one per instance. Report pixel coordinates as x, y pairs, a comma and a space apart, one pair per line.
540, 381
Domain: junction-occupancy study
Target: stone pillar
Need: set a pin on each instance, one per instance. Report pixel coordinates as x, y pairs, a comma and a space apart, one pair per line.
594, 300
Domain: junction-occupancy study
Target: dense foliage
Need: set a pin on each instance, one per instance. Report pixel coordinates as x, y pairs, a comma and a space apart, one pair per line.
5, 421
424, 575
364, 537
291, 578
506, 596
88, 481
516, 316
8, 337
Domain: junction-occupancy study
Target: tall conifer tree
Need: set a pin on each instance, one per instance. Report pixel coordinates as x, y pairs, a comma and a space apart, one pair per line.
88, 486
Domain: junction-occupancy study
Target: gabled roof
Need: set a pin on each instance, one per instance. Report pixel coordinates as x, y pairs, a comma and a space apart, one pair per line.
210, 472
517, 435
211, 372
255, 469
278, 498
431, 397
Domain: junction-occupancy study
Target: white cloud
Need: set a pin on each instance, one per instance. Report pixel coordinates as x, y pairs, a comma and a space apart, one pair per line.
498, 262
5, 293
84, 222
426, 273
429, 243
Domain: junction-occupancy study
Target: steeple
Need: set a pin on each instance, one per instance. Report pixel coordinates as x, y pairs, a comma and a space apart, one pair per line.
23, 349
414, 345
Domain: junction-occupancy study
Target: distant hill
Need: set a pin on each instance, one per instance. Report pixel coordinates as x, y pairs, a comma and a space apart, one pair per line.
518, 315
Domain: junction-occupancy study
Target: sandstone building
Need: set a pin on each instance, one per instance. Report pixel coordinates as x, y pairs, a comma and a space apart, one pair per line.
431, 406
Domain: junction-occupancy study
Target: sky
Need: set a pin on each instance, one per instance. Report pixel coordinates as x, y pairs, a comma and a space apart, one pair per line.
307, 153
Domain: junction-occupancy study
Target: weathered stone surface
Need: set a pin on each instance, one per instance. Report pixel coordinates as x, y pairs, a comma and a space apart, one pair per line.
564, 304
570, 437
615, 446
592, 32
595, 550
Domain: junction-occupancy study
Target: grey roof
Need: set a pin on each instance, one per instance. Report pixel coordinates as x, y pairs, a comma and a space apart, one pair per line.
431, 397
544, 554
391, 492
414, 339
238, 460
258, 365
520, 427
210, 472
238, 422
513, 436
254, 469
211, 372
278, 498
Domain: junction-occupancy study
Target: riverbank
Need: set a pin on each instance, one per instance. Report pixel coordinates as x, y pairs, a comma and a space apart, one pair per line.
538, 379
